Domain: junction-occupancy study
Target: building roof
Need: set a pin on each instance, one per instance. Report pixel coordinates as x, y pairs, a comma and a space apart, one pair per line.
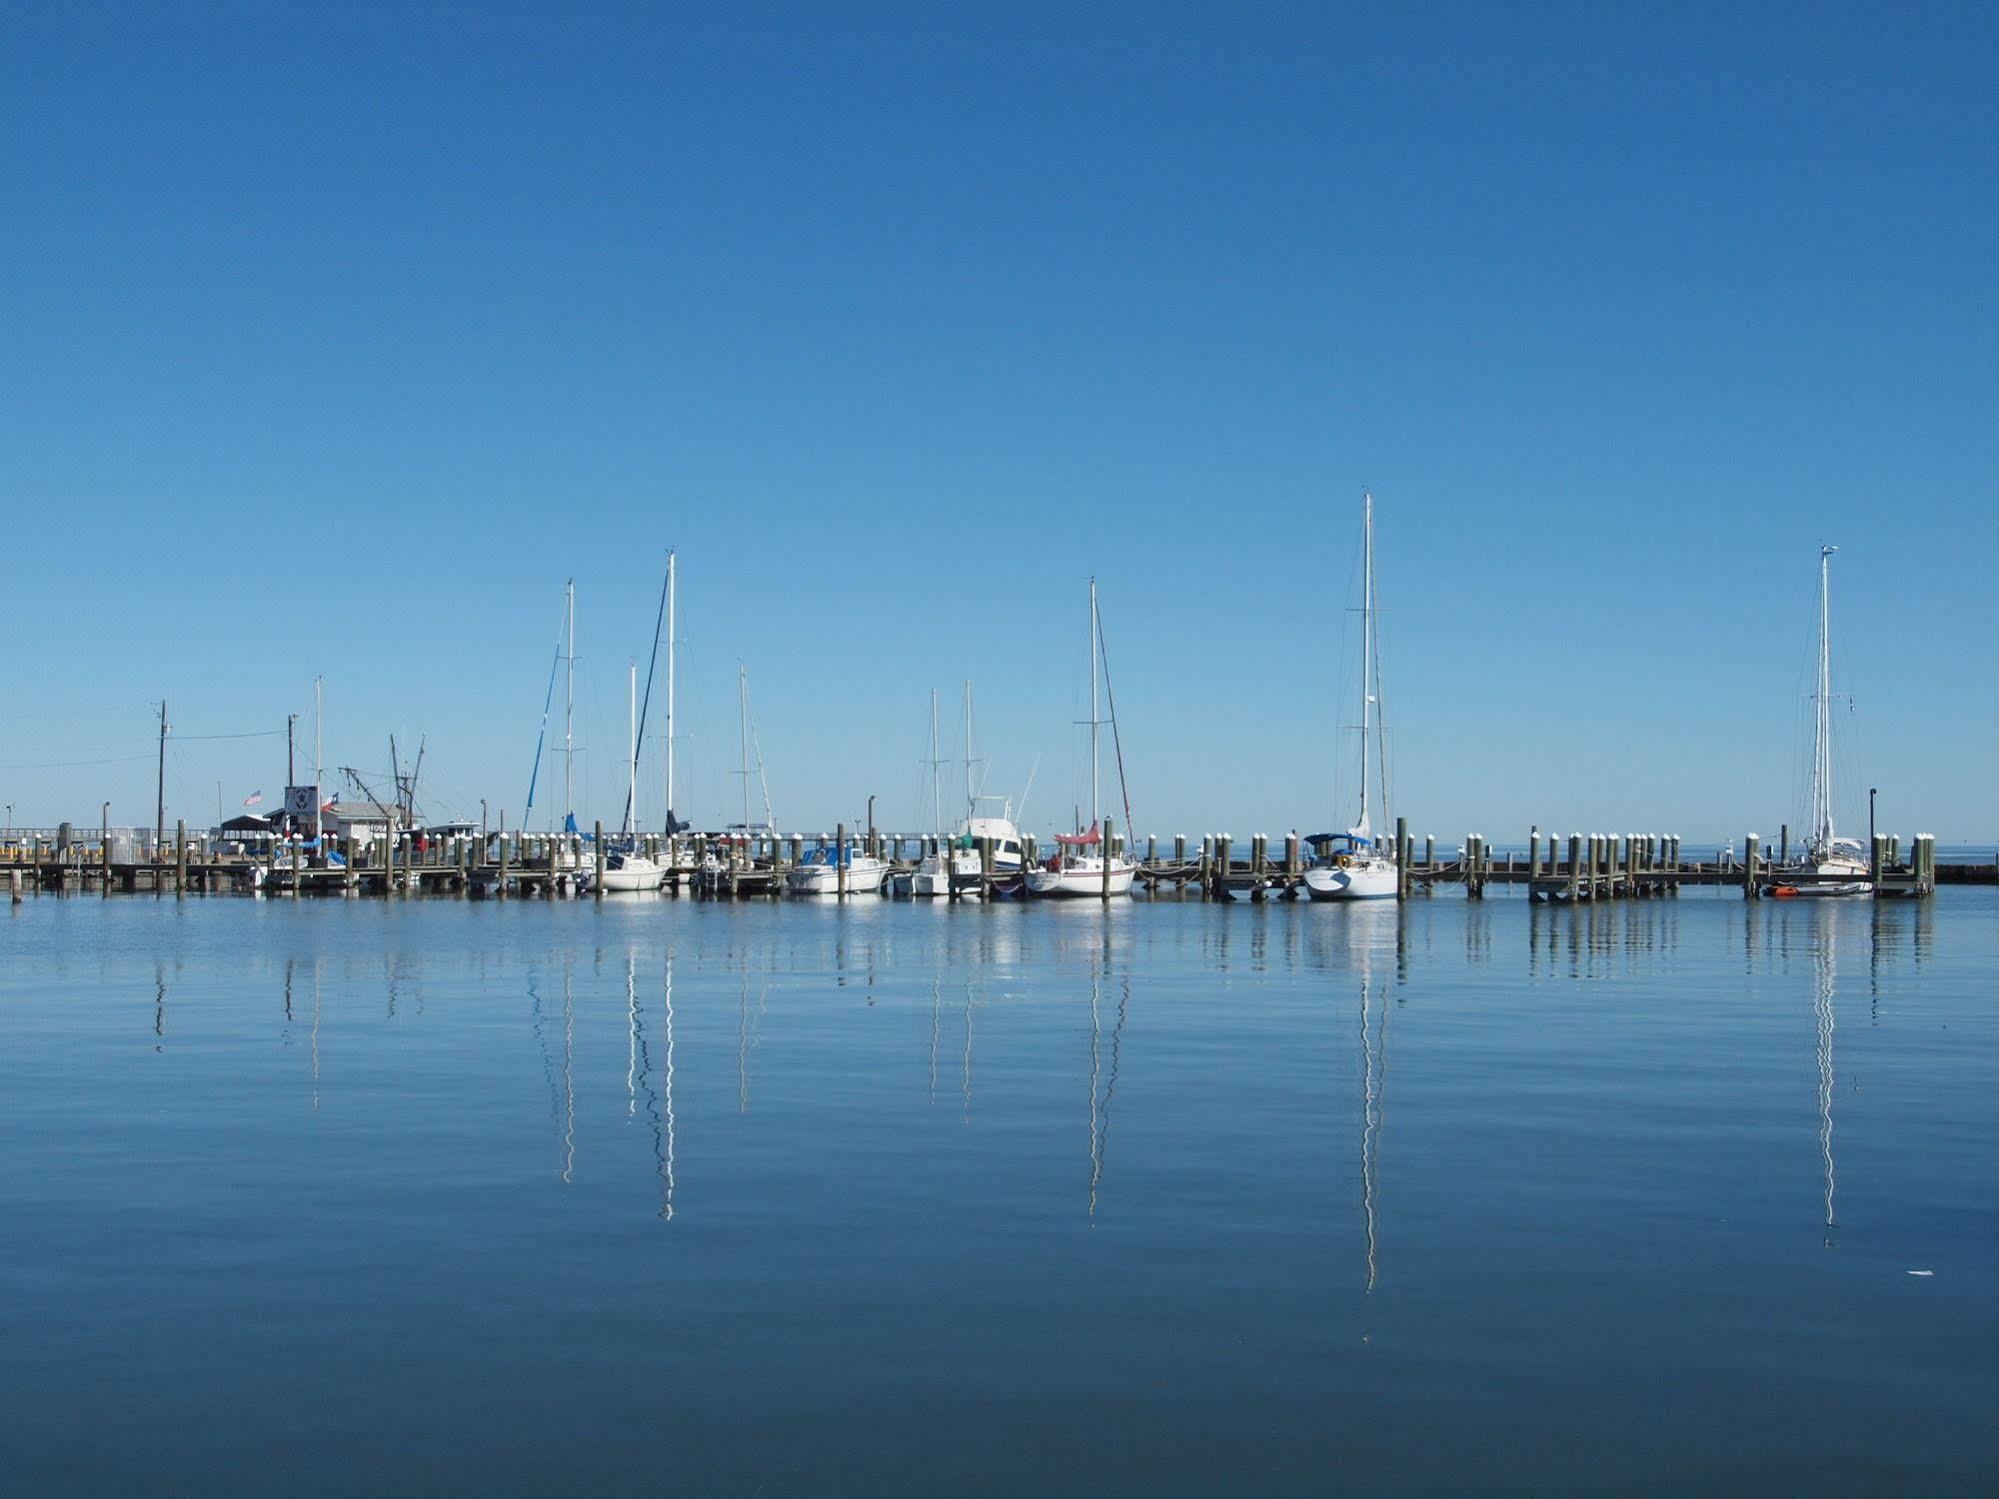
363, 812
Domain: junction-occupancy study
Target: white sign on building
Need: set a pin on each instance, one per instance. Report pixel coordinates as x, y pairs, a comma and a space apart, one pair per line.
302, 802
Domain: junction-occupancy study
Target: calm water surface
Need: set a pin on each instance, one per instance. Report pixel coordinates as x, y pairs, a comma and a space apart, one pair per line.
441, 1197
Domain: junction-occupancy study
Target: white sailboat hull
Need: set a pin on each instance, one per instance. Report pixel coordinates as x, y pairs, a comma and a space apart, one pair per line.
864, 877
1826, 877
635, 873
933, 877
1082, 879
1370, 879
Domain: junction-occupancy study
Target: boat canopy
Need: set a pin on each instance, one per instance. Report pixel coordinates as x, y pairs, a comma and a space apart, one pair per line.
1352, 839
1081, 840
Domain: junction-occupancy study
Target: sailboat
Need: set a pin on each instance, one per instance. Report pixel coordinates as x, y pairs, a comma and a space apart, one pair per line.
680, 863
1353, 865
563, 854
1830, 865
1074, 870
626, 869
948, 858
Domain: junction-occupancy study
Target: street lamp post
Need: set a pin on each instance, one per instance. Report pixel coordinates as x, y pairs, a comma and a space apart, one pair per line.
482, 822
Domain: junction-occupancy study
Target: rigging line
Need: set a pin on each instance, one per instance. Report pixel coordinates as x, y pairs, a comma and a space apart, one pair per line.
1117, 744
76, 764
548, 701
645, 704
1381, 728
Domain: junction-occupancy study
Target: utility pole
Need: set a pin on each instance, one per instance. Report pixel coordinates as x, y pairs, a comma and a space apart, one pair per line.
160, 810
291, 749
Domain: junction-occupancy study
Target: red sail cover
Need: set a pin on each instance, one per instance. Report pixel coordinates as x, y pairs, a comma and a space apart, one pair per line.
1080, 840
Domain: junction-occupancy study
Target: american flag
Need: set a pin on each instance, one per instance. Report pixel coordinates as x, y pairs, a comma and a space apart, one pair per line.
253, 798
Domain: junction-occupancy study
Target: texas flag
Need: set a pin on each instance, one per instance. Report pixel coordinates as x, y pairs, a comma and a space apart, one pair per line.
253, 798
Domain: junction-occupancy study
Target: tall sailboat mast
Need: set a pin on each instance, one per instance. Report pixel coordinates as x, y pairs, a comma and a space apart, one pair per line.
1366, 649
569, 709
936, 789
1094, 819
670, 605
1822, 830
971, 791
743, 709
631, 801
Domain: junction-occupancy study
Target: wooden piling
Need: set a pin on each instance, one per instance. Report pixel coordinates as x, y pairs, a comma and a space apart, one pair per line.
1106, 851
1403, 848
1751, 889
840, 858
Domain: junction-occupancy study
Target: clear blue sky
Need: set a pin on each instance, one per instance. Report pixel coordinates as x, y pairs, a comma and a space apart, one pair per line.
334, 341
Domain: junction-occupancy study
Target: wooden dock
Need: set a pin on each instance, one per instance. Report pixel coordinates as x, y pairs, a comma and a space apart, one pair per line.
1582, 867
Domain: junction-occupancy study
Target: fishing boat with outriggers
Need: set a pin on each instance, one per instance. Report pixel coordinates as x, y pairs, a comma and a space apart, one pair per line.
996, 832
950, 865
1353, 865
1829, 864
1083, 865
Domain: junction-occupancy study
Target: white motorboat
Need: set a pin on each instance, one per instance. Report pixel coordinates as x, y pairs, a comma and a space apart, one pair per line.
949, 865
818, 873
1000, 832
1073, 870
1005, 839
1829, 864
1353, 865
